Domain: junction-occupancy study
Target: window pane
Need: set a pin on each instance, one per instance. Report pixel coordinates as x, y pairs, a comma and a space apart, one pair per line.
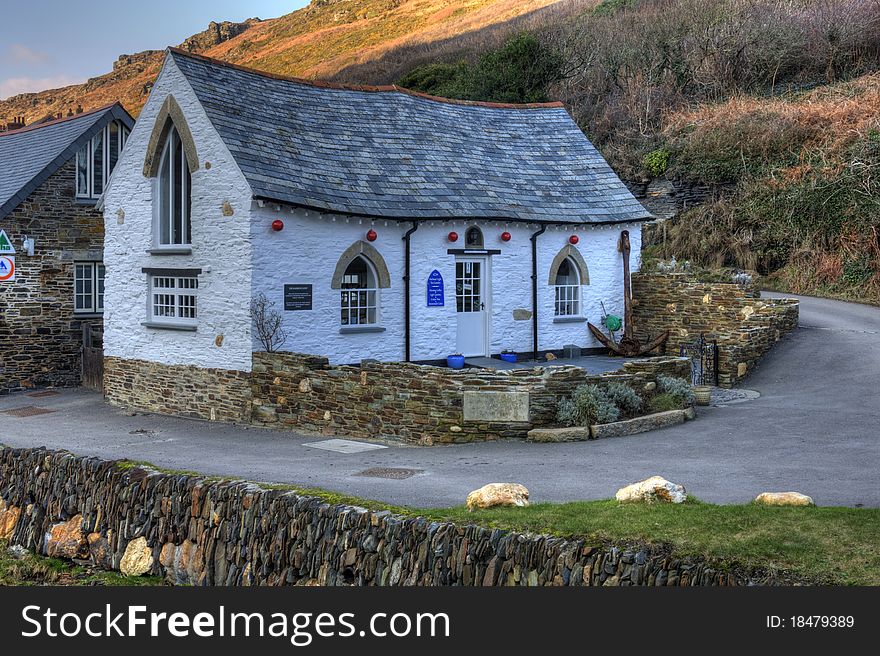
177, 227
82, 172
98, 164
83, 287
165, 198
100, 296
114, 148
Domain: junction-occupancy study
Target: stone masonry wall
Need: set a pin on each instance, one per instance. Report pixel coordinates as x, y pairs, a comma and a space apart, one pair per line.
40, 336
745, 325
207, 532
182, 390
417, 403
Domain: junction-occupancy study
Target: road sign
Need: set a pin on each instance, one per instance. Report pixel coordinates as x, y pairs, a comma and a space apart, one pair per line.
7, 268
6, 247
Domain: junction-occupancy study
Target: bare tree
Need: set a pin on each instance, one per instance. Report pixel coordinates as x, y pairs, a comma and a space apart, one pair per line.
268, 323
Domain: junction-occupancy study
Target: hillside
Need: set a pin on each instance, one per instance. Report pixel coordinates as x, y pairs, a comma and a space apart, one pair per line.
314, 42
762, 115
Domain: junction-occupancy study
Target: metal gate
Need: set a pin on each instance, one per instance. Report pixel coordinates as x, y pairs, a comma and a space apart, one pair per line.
92, 358
703, 355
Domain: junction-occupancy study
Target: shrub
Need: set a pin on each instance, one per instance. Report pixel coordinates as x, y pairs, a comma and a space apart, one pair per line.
678, 389
664, 402
625, 398
589, 404
656, 162
519, 71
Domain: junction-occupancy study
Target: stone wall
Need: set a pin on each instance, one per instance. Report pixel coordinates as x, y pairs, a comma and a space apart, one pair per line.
745, 325
40, 336
207, 532
423, 404
182, 390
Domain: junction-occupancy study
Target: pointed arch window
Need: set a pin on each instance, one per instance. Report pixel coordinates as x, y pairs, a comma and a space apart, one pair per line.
173, 194
568, 289
359, 294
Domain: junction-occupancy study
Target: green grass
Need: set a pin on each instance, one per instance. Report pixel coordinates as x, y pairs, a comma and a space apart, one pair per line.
30, 570
815, 544
821, 545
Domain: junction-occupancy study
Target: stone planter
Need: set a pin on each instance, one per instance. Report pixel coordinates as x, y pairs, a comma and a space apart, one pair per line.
615, 429
703, 394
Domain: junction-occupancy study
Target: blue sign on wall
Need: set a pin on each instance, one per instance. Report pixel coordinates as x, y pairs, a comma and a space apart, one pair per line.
435, 290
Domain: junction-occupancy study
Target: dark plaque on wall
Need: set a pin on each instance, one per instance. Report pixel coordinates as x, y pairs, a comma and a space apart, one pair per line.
297, 297
435, 289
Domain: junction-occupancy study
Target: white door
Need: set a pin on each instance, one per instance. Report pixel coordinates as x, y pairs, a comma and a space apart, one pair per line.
472, 305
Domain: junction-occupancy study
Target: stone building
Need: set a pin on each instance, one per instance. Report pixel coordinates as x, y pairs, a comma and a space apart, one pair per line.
382, 223
51, 244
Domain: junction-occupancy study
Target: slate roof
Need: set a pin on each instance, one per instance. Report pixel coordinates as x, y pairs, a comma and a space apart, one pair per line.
392, 153
30, 155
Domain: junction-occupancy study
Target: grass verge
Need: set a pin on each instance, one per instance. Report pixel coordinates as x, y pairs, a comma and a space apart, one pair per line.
828, 545
28, 569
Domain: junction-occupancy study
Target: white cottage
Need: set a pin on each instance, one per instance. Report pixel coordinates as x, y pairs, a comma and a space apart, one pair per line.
384, 224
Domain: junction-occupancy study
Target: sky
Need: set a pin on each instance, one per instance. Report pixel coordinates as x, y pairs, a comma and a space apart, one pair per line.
46, 44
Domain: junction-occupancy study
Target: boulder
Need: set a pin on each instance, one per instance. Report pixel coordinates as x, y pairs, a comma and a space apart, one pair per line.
66, 540
138, 558
784, 499
652, 489
498, 494
8, 519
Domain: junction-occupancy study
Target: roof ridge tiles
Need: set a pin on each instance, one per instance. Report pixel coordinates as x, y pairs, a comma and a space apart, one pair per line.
65, 119
384, 88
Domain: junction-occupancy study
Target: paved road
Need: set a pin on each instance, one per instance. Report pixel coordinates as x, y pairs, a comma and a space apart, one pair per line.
815, 429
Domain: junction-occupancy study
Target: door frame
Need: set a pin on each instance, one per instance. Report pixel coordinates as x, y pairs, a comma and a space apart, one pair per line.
485, 261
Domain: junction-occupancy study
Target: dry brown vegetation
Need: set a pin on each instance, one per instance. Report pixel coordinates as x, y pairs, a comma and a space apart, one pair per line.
316, 42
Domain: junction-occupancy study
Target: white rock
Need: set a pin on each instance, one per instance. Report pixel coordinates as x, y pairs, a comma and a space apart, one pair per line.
651, 489
784, 499
498, 494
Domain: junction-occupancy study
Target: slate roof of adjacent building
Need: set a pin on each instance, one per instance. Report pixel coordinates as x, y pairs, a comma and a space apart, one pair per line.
393, 153
28, 156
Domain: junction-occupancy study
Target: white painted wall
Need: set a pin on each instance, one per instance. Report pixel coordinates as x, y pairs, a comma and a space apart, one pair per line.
307, 251
598, 246
221, 247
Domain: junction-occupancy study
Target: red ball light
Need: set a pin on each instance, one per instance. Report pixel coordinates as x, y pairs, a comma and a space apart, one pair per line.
505, 236
453, 236
371, 235
277, 225
573, 239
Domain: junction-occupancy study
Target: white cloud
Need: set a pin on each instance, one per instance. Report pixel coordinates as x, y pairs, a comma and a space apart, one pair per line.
21, 54
15, 85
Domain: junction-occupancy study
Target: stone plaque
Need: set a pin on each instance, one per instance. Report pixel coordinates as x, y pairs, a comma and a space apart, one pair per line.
297, 297
496, 406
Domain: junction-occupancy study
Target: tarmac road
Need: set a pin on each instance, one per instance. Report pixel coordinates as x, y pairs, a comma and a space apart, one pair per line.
815, 429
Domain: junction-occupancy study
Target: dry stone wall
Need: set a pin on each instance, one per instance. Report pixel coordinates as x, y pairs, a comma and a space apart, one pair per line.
181, 390
206, 532
745, 325
418, 403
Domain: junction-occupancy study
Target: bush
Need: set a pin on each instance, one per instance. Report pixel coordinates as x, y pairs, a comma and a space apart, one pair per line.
589, 404
625, 398
678, 389
520, 71
664, 402
656, 162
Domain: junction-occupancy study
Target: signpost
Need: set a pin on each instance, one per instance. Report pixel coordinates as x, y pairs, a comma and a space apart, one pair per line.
297, 297
436, 296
